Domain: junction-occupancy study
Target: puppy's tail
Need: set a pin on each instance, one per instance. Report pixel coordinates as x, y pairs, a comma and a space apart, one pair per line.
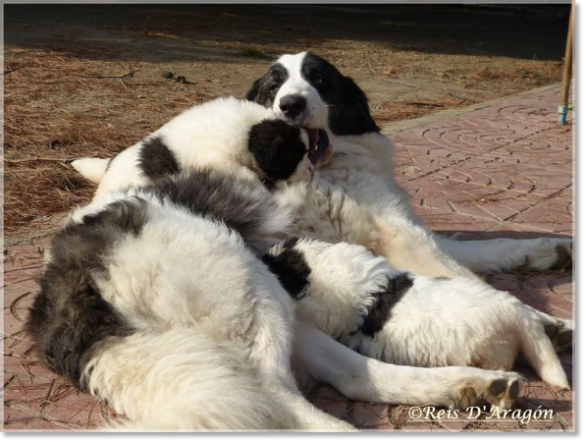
538, 349
92, 168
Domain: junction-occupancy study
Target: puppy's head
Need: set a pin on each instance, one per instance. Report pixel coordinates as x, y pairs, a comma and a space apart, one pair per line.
305, 90
280, 151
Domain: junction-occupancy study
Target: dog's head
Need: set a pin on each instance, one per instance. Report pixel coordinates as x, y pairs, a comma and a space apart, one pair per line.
280, 151
305, 90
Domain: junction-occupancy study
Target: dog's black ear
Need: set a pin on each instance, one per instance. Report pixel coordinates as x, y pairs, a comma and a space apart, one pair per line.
352, 116
253, 93
361, 102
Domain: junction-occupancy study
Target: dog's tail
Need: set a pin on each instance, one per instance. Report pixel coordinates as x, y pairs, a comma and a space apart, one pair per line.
538, 349
92, 168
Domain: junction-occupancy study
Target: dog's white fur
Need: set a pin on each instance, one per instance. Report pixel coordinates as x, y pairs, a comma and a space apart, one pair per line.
362, 168
356, 199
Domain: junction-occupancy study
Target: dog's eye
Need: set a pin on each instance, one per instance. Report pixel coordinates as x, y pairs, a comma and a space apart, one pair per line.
318, 79
274, 87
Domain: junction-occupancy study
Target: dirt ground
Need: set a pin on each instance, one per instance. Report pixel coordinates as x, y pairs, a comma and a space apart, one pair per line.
88, 79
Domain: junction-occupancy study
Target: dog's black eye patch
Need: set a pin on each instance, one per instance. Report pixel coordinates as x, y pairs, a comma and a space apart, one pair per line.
264, 89
277, 148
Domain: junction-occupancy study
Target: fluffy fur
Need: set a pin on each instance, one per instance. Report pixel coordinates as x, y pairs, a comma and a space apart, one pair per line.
355, 199
177, 324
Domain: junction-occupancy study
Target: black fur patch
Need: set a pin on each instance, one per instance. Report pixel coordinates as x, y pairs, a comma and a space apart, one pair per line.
380, 312
265, 89
156, 160
211, 194
69, 317
349, 113
290, 268
277, 148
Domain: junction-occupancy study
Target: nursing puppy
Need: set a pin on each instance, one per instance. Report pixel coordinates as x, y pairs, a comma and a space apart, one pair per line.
401, 318
238, 137
152, 299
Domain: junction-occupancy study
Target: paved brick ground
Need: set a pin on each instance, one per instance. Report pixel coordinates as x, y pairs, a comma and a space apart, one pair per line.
505, 170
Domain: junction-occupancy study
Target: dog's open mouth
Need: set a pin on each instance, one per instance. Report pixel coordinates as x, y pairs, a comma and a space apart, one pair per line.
318, 145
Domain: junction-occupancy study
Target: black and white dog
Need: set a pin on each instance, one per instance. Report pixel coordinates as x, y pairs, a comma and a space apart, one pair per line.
353, 199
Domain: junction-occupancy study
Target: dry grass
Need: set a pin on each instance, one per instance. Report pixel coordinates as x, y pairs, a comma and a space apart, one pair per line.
57, 107
533, 72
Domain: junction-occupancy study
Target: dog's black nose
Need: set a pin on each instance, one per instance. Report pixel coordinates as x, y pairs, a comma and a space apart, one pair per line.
292, 105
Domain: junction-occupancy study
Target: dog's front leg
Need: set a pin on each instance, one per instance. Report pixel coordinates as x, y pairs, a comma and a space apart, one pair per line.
366, 379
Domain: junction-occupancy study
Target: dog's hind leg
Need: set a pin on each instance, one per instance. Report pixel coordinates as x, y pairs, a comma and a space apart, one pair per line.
506, 254
413, 248
559, 330
366, 379
537, 348
503, 255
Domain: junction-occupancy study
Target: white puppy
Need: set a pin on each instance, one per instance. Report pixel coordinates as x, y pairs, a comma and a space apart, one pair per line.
405, 319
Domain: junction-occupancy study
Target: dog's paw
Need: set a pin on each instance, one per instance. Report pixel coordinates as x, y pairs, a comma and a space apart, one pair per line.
499, 389
561, 334
547, 254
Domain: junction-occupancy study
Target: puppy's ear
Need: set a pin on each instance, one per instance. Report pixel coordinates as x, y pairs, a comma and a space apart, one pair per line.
253, 93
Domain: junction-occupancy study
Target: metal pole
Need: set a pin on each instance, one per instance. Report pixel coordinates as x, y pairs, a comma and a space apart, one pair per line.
563, 107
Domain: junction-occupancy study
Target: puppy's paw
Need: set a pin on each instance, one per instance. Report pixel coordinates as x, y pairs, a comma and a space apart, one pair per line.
499, 389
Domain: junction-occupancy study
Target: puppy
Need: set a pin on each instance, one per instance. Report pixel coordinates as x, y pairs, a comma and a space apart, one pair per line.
398, 317
239, 137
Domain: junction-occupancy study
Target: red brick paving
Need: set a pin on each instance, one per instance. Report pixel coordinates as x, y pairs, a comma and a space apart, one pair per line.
505, 170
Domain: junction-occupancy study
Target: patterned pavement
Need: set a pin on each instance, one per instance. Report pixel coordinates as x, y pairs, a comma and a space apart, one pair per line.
503, 170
